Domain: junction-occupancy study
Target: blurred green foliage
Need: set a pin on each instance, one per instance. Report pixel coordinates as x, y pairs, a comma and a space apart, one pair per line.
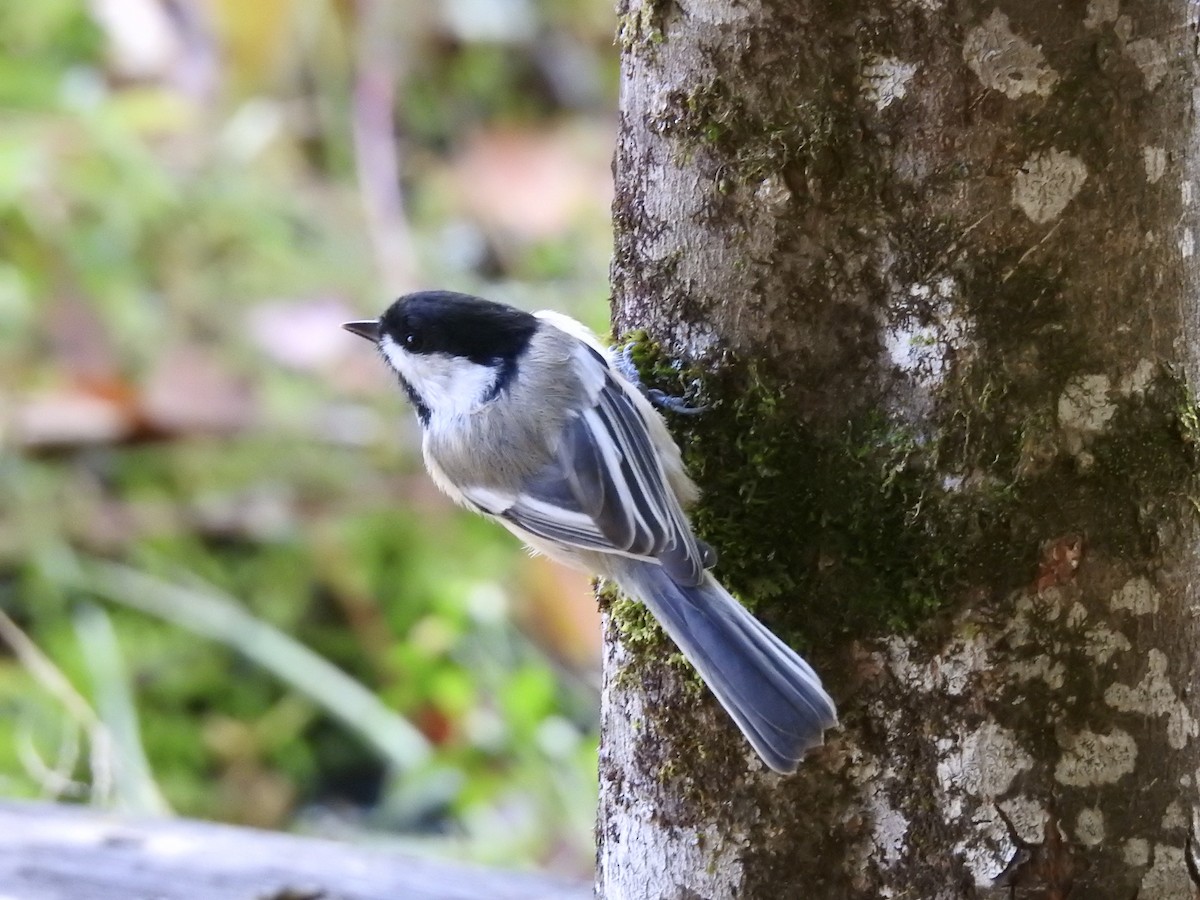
158, 243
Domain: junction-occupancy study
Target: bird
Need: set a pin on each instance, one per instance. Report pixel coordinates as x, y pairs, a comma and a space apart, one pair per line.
529, 420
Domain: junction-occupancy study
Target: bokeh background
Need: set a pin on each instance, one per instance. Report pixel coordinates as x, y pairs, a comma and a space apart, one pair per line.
209, 493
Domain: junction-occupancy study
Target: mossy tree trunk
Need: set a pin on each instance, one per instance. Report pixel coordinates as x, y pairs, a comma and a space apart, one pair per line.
933, 265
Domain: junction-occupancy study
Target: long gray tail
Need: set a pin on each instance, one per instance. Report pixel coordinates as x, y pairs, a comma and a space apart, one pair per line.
773, 695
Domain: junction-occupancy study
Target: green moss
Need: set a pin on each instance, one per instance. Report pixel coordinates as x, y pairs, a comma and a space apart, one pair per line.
832, 532
642, 26
836, 524
831, 522
850, 531
855, 529
642, 636
817, 139
654, 364
638, 628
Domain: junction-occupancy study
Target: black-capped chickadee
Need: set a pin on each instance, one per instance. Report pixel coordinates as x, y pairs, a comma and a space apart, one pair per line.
527, 419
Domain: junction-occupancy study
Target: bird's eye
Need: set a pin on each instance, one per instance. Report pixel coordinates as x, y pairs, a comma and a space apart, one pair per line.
412, 341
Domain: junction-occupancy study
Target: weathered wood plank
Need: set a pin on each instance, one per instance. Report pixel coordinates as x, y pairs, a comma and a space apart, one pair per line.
50, 852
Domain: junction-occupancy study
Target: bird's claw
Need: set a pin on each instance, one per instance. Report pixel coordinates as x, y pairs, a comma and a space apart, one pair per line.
628, 368
677, 405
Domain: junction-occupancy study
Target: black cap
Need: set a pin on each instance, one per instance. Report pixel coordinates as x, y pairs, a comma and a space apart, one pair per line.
460, 325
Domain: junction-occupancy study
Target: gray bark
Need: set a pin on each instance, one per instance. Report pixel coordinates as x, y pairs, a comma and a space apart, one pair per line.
933, 264
50, 852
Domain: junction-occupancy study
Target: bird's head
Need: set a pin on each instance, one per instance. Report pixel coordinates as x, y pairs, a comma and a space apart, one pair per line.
452, 352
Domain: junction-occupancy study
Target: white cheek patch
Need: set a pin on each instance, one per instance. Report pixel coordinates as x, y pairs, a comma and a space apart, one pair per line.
397, 358
449, 386
402, 362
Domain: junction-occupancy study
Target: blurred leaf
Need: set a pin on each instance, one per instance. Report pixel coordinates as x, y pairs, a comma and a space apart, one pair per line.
558, 610
303, 335
71, 417
210, 615
532, 183
133, 783
152, 111
255, 35
58, 32
528, 697
191, 391
27, 84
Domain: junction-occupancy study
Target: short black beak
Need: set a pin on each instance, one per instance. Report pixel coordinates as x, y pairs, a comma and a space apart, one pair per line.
368, 329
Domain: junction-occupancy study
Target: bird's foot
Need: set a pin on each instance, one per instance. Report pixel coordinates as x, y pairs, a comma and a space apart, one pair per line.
625, 365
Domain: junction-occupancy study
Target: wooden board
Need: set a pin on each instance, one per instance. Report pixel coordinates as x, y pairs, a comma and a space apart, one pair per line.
50, 852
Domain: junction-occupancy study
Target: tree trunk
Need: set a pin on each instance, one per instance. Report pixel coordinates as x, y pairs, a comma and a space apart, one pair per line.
932, 265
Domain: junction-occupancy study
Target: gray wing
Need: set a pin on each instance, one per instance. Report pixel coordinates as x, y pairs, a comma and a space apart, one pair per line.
605, 490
